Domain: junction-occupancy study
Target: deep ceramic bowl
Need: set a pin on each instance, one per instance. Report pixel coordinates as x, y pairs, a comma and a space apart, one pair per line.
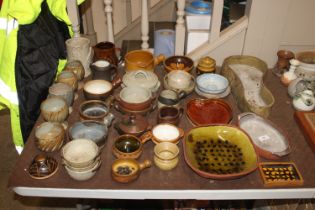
178, 62
89, 129
54, 109
83, 175
135, 98
80, 153
97, 89
63, 90
220, 152
212, 83
208, 111
76, 67
49, 136
179, 81
93, 110
70, 78
127, 146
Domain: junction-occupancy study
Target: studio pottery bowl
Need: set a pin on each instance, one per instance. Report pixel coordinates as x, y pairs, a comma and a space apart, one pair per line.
49, 136
179, 81
96, 110
269, 140
212, 83
97, 89
178, 62
208, 111
54, 109
164, 132
83, 175
220, 152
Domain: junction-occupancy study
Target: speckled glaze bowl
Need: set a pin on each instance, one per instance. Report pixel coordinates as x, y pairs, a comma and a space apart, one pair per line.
54, 109
96, 110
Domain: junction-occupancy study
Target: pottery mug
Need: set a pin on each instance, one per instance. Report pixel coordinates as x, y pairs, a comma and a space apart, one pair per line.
106, 51
170, 98
170, 114
102, 69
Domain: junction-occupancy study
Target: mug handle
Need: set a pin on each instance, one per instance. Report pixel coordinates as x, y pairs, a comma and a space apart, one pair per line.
146, 136
116, 81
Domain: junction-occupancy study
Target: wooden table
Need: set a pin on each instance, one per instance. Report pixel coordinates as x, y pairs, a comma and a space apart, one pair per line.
181, 182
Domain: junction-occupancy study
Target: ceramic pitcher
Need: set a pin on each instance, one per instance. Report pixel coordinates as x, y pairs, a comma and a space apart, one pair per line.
106, 51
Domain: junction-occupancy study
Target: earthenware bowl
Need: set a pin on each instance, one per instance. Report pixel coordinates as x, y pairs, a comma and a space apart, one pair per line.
97, 89
143, 112
270, 141
127, 170
42, 167
63, 90
85, 174
212, 83
69, 78
164, 132
141, 60
219, 152
128, 146
80, 153
76, 67
178, 62
96, 110
49, 136
54, 109
169, 114
141, 78
89, 129
166, 155
179, 81
133, 124
208, 111
135, 98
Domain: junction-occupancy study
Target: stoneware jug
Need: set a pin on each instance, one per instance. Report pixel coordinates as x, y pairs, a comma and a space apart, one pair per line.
106, 51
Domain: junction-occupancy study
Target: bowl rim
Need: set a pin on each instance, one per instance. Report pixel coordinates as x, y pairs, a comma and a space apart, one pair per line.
169, 69
220, 176
97, 80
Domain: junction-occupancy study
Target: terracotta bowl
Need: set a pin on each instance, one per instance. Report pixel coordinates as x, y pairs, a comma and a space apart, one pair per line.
54, 109
49, 136
220, 152
97, 89
178, 62
208, 111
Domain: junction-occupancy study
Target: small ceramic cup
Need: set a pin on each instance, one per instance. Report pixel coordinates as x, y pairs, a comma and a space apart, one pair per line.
166, 155
63, 90
69, 78
170, 98
170, 114
76, 67
128, 146
164, 132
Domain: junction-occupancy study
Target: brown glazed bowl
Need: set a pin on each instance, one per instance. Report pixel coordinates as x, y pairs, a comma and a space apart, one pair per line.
128, 170
141, 60
220, 152
97, 89
135, 98
208, 111
178, 62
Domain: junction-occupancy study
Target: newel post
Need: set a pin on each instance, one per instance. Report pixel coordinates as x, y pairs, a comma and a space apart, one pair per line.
144, 25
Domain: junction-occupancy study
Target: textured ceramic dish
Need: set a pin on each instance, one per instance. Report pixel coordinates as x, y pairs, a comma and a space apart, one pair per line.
128, 170
166, 155
306, 69
208, 111
49, 136
164, 132
89, 129
245, 75
220, 152
97, 89
178, 62
54, 109
179, 81
141, 59
42, 167
270, 141
212, 83
141, 78
83, 175
135, 98
80, 153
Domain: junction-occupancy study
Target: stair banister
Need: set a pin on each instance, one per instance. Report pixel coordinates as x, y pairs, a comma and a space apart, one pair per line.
180, 28
109, 11
89, 31
216, 19
73, 13
144, 25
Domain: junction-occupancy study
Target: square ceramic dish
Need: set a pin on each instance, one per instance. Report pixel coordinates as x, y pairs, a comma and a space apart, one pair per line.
220, 152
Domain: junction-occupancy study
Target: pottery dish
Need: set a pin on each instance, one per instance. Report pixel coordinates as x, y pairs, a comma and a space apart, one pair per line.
219, 152
178, 62
270, 141
212, 83
97, 89
49, 136
54, 109
128, 146
179, 81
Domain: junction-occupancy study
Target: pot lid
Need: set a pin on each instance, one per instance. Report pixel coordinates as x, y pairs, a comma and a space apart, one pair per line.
132, 124
140, 78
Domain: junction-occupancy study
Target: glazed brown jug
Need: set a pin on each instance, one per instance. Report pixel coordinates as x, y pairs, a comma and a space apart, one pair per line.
106, 51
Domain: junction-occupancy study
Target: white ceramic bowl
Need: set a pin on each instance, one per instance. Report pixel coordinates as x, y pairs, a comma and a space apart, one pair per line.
212, 83
83, 175
80, 153
165, 132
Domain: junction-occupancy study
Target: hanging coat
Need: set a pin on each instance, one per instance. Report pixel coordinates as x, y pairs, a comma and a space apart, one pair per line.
32, 51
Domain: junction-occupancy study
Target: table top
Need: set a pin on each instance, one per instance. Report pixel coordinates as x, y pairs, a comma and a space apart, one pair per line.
181, 182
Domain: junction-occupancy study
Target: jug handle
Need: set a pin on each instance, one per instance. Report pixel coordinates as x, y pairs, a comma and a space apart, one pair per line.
146, 136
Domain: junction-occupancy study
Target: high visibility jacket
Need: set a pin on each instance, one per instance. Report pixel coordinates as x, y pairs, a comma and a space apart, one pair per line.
17, 85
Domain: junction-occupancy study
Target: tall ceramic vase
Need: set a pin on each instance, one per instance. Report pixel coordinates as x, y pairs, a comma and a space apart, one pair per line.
78, 48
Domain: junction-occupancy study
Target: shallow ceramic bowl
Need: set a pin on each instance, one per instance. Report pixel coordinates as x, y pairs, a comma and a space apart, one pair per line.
269, 140
164, 132
49, 136
83, 175
208, 111
135, 98
178, 62
80, 153
54, 109
179, 81
89, 129
220, 152
127, 146
212, 83
97, 89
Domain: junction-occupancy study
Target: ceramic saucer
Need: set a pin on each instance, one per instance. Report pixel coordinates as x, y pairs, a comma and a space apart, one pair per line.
208, 95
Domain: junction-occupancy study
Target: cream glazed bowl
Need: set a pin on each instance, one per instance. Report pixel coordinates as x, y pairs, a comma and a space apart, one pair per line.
164, 132
179, 81
97, 89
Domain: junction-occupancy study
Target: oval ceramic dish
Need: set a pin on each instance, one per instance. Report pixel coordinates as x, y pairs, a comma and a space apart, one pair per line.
270, 141
212, 83
220, 152
208, 111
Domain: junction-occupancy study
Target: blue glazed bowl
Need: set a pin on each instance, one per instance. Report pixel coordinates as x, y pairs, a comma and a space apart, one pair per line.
212, 83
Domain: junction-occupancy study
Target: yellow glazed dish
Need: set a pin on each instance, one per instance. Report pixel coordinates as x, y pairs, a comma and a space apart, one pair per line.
220, 152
